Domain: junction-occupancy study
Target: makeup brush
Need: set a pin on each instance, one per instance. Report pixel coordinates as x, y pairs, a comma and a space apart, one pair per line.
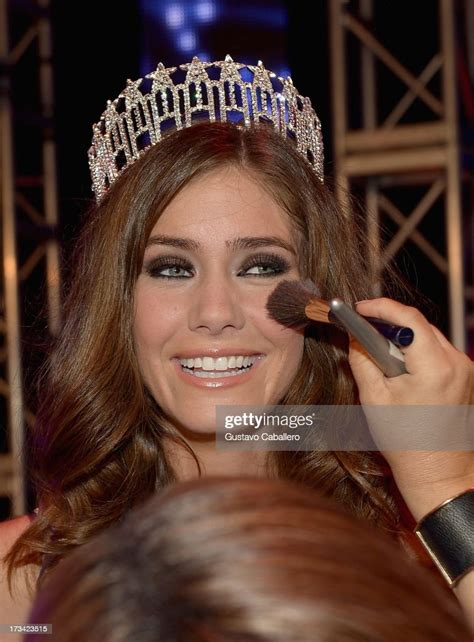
287, 303
295, 303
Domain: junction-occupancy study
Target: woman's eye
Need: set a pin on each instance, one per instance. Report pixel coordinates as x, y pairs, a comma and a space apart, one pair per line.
178, 268
262, 269
175, 271
169, 269
265, 266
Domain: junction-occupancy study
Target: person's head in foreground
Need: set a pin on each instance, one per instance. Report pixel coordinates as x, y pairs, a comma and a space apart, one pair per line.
244, 560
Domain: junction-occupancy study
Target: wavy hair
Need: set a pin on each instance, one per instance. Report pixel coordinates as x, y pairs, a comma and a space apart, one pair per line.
241, 560
97, 446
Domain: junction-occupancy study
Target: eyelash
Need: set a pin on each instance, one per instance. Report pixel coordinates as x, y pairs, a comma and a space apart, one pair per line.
278, 264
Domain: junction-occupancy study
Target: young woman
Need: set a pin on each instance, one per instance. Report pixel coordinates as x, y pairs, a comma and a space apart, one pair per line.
222, 559
176, 261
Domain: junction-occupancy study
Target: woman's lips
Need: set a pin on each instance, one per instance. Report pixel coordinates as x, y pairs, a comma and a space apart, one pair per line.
217, 381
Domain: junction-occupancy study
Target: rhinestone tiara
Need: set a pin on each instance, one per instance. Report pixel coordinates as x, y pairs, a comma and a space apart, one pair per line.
213, 91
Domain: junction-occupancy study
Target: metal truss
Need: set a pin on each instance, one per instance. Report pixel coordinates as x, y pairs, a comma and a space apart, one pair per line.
28, 196
399, 150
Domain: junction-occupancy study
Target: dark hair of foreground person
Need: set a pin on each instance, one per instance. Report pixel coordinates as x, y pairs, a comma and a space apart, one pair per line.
244, 560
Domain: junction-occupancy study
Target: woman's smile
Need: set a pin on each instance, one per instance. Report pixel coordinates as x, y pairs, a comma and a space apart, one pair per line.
218, 370
201, 330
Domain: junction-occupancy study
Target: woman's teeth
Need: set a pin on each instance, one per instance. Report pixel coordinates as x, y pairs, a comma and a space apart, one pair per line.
211, 367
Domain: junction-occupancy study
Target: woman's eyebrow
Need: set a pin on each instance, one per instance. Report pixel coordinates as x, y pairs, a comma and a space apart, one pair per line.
174, 241
241, 243
250, 242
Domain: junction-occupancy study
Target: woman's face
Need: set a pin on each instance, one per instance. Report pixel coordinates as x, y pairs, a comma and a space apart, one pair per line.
201, 330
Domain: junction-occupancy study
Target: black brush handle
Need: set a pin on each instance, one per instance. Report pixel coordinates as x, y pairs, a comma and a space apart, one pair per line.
399, 335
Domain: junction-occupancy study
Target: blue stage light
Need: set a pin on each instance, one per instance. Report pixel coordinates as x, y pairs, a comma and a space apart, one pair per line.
176, 30
174, 16
205, 11
187, 41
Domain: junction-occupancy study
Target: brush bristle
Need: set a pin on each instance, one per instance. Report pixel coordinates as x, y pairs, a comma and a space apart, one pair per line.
287, 303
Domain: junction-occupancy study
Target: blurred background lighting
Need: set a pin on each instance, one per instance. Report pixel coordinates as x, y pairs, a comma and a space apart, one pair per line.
174, 16
187, 41
205, 11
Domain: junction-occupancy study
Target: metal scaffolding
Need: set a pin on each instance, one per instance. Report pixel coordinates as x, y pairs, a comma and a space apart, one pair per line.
30, 254
385, 152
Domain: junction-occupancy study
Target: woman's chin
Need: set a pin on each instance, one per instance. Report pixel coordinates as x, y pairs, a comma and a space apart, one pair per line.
193, 430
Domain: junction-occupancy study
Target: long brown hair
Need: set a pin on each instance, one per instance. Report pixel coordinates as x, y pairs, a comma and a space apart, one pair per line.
224, 560
97, 446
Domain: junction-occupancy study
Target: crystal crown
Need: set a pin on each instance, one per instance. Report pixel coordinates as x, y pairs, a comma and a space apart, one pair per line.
214, 91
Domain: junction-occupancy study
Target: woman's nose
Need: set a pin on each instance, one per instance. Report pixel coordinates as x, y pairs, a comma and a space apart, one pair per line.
215, 305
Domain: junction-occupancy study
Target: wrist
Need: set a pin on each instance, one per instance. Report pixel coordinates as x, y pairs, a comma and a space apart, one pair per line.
423, 492
423, 500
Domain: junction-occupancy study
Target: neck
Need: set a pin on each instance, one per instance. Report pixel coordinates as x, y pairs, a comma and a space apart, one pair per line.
213, 462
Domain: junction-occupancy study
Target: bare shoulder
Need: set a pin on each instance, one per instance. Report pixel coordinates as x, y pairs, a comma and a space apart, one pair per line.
11, 529
13, 609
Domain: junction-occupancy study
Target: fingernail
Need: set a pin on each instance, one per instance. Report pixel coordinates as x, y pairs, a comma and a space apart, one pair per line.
363, 301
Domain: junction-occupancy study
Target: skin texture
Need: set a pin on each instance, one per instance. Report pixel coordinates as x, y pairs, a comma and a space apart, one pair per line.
220, 302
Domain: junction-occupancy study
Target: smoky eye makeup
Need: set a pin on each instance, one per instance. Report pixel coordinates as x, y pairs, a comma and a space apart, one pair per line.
267, 264
175, 265
262, 264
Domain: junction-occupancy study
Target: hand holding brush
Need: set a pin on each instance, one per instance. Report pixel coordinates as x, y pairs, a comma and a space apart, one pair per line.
296, 303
